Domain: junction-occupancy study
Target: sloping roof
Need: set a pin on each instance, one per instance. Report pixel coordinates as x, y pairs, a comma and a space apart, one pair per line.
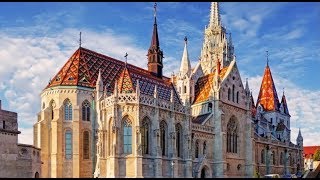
268, 97
308, 150
83, 66
204, 85
200, 119
284, 103
125, 83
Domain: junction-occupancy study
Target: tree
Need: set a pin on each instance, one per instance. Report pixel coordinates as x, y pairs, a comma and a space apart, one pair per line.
316, 156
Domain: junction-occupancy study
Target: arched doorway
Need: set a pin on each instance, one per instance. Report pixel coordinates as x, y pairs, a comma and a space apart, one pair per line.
204, 172
36, 175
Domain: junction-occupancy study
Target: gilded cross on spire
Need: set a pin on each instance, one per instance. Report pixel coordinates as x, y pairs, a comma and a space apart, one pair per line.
267, 58
155, 9
126, 57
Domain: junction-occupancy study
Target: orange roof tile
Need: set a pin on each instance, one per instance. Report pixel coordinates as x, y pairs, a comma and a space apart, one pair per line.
125, 82
83, 66
268, 97
204, 84
308, 150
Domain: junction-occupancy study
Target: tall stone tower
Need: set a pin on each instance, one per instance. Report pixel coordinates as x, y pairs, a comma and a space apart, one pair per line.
215, 45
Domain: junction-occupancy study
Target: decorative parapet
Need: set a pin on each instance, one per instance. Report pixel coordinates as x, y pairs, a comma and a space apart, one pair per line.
143, 99
200, 127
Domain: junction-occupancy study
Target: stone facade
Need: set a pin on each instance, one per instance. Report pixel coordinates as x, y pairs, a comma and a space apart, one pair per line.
16, 160
101, 117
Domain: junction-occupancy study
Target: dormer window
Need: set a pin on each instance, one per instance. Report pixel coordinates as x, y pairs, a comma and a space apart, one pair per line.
70, 78
58, 78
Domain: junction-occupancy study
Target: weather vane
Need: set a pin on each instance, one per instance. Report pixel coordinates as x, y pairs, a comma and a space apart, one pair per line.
155, 9
80, 40
267, 58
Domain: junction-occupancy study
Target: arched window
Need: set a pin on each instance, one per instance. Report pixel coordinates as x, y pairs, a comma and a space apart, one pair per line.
85, 145
67, 110
127, 136
68, 144
229, 94
232, 135
163, 134
204, 148
145, 135
262, 156
210, 107
273, 158
281, 158
52, 105
110, 137
36, 175
197, 149
86, 111
184, 89
178, 140
233, 92
238, 97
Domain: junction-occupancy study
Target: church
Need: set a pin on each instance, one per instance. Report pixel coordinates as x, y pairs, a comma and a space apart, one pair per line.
102, 117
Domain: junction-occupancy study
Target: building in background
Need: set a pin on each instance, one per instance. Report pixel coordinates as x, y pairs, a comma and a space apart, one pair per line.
16, 160
308, 153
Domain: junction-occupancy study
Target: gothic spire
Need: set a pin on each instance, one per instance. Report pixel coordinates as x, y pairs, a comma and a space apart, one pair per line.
284, 104
155, 55
215, 15
268, 97
185, 67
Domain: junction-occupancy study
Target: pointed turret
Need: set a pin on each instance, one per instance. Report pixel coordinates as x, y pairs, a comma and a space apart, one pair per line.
155, 55
99, 85
284, 104
138, 87
253, 107
268, 97
185, 67
155, 93
247, 87
215, 14
300, 139
125, 83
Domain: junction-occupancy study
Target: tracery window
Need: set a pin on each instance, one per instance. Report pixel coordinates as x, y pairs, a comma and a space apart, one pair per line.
67, 110
238, 97
233, 92
229, 94
163, 135
232, 135
86, 111
204, 148
68, 144
262, 157
178, 139
273, 158
127, 136
145, 135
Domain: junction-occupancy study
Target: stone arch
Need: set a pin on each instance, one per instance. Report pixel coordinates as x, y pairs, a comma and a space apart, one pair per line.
36, 175
233, 135
205, 170
145, 129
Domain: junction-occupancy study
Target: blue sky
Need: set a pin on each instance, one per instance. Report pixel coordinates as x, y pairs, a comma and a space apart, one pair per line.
36, 39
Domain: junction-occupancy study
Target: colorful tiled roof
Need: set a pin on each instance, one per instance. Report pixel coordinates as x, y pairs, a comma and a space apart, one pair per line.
309, 150
83, 66
125, 82
268, 97
204, 84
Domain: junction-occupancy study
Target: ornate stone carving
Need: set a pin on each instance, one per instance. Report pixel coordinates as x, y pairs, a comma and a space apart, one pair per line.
173, 135
114, 129
156, 132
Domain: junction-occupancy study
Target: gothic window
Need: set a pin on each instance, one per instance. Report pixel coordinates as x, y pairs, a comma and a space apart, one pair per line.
184, 89
232, 135
229, 94
233, 92
197, 149
262, 156
85, 145
127, 136
110, 137
67, 110
52, 104
68, 144
3, 125
273, 158
178, 140
86, 111
281, 158
238, 97
210, 107
204, 148
145, 135
163, 134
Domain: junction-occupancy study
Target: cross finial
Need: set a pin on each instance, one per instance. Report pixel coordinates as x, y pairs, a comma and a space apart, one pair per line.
267, 58
155, 9
126, 58
185, 39
80, 40
283, 90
